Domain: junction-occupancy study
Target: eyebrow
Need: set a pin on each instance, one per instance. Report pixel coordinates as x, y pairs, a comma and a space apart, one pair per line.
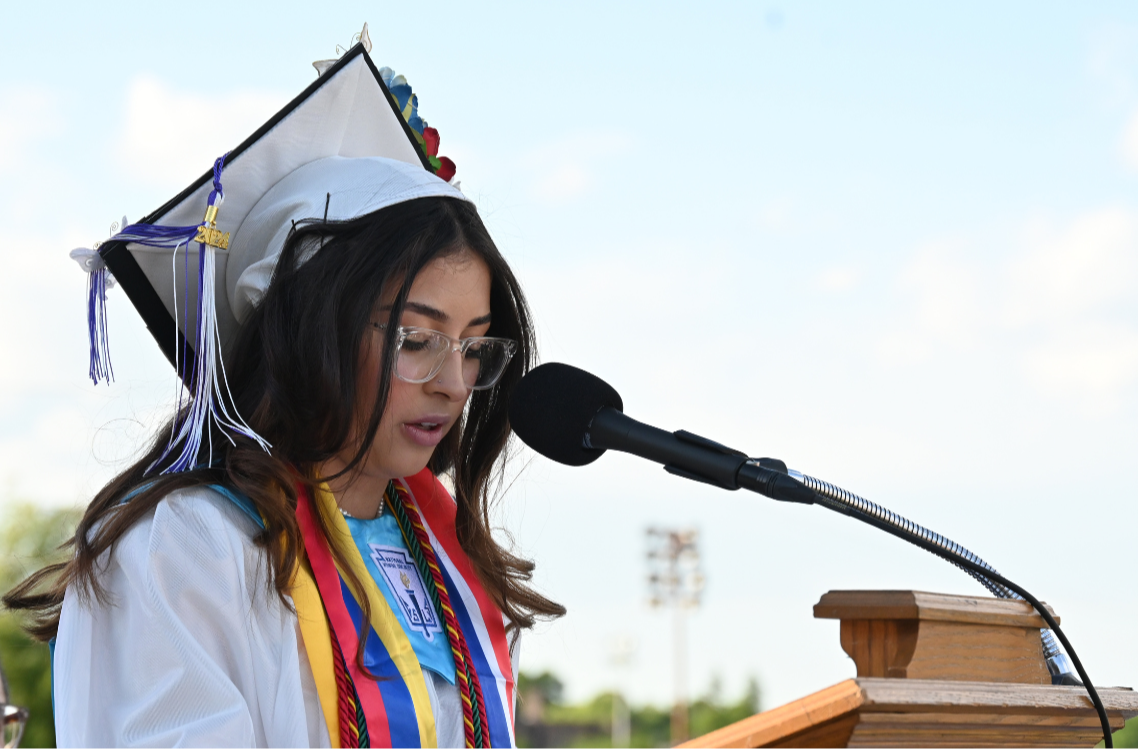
438, 315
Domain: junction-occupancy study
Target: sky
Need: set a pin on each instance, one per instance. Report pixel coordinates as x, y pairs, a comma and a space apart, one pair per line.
893, 244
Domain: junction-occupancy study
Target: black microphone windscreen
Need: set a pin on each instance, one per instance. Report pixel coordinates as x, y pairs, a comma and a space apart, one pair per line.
552, 407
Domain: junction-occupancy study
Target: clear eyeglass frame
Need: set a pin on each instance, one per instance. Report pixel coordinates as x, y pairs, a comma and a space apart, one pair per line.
489, 353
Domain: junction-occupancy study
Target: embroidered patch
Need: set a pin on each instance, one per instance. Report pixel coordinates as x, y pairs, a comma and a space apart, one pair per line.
399, 571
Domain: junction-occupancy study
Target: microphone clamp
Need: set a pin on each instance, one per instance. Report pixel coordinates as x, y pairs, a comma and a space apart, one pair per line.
694, 457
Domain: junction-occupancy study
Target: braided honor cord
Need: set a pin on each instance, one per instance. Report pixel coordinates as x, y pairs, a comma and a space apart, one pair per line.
353, 724
419, 544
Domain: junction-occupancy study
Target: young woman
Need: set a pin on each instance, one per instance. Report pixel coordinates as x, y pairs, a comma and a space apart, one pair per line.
326, 590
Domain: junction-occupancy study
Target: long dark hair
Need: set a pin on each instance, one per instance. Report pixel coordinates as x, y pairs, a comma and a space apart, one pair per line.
292, 370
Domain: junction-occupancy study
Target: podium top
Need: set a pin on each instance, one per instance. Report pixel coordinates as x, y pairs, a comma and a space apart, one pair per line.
907, 712
915, 604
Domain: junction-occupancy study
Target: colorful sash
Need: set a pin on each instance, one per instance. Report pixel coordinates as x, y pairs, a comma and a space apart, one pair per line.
395, 711
479, 617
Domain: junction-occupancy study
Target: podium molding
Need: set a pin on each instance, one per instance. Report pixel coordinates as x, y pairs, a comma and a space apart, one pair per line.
934, 670
918, 712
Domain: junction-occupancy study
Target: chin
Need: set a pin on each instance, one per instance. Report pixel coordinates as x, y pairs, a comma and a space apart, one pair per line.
401, 466
400, 457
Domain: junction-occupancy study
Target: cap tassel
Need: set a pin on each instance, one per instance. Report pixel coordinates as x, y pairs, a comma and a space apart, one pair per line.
99, 368
149, 235
206, 378
99, 279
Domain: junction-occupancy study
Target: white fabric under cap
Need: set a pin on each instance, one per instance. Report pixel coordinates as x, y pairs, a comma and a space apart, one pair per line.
348, 187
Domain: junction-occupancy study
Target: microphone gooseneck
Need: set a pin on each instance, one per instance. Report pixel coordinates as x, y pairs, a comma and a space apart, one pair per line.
573, 417
846, 502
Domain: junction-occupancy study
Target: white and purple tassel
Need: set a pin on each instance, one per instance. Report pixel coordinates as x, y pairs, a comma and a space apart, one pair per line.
204, 376
99, 280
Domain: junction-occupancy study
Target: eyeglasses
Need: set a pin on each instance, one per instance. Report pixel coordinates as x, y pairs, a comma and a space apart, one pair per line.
422, 352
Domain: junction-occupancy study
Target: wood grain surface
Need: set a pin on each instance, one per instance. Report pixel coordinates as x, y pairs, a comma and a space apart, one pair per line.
909, 634
801, 715
915, 712
916, 604
916, 649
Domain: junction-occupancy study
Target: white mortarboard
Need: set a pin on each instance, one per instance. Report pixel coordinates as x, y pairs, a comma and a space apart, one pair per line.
348, 145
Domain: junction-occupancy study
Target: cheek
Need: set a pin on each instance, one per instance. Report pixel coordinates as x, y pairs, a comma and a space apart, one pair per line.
400, 394
367, 385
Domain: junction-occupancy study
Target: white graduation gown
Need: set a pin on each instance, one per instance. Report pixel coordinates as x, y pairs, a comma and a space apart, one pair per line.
193, 648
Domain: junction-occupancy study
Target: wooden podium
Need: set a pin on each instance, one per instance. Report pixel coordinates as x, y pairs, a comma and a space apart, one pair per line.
934, 670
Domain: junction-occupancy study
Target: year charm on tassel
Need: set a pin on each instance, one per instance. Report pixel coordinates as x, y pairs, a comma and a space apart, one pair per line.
211, 235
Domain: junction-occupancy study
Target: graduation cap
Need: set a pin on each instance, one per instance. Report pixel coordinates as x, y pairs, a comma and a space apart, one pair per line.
348, 145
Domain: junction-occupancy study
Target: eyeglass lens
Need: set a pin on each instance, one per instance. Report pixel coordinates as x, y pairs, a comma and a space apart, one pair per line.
423, 354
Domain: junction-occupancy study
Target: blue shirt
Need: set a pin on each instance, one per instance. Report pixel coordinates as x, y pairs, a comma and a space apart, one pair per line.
393, 568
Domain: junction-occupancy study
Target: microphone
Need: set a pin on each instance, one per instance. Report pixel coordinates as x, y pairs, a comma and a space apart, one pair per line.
573, 417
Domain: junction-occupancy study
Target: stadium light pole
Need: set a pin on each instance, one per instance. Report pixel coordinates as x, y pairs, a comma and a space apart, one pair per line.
675, 580
621, 650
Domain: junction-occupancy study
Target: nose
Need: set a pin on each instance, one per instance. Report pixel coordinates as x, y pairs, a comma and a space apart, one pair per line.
449, 381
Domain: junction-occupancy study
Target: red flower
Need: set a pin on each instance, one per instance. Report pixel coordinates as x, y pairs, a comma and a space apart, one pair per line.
446, 169
431, 137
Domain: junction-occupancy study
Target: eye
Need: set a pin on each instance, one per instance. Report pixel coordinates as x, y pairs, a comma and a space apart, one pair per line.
416, 343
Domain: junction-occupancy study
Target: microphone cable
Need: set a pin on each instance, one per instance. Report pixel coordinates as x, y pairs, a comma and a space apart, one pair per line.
840, 500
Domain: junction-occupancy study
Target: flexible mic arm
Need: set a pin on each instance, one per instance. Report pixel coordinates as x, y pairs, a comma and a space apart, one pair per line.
839, 500
700, 459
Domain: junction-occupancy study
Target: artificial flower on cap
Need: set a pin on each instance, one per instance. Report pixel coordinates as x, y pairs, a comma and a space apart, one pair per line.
350, 144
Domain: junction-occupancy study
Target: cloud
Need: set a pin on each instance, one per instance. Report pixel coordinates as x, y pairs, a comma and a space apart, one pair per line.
1065, 292
42, 300
171, 137
838, 279
1097, 360
1055, 311
1073, 270
778, 215
30, 115
44, 460
565, 168
948, 309
564, 181
1130, 142
1111, 60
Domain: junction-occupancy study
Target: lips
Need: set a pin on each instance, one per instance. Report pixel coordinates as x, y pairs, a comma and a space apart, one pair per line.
427, 431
